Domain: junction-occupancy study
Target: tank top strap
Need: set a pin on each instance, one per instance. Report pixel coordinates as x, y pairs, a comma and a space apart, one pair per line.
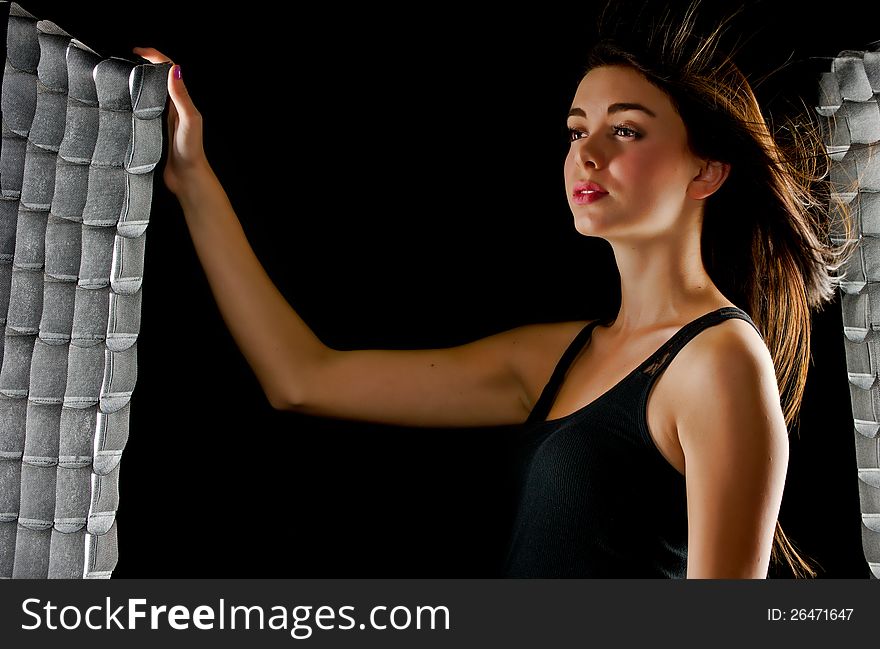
652, 366
568, 356
658, 361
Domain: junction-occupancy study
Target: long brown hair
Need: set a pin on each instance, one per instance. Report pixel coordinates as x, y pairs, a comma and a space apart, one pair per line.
775, 261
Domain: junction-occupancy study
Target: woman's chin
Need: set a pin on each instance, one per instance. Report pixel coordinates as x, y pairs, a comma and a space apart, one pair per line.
591, 226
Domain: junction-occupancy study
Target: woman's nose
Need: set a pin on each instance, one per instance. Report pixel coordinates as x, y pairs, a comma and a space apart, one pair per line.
587, 153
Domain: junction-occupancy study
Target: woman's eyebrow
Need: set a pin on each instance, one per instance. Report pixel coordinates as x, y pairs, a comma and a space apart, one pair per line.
616, 108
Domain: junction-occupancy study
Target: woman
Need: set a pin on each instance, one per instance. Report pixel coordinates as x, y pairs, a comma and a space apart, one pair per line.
654, 451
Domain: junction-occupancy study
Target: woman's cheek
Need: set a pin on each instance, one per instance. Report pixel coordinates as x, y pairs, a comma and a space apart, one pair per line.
644, 171
571, 173
568, 166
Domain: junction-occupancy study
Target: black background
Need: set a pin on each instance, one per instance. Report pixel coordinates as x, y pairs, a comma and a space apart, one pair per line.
399, 174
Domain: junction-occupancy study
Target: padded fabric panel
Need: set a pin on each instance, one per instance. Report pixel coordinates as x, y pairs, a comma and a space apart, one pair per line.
848, 106
82, 135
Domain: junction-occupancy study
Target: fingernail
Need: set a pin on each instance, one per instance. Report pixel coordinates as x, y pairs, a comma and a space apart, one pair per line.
177, 72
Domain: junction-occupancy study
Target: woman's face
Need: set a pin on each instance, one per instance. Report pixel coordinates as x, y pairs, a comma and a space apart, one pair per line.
627, 138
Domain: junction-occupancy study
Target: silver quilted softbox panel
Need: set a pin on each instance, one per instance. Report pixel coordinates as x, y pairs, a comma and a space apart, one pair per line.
850, 116
82, 135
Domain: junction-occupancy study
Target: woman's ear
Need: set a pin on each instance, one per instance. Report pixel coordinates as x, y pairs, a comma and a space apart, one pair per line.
712, 175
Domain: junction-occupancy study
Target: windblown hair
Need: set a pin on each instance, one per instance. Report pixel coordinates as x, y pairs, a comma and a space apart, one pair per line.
766, 233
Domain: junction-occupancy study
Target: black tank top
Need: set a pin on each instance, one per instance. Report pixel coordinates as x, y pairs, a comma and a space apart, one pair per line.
597, 498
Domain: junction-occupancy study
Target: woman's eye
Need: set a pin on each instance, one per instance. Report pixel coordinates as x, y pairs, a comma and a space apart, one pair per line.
625, 131
622, 131
574, 134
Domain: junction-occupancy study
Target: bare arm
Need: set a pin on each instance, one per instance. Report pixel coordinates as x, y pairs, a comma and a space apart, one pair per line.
489, 381
273, 339
736, 454
278, 345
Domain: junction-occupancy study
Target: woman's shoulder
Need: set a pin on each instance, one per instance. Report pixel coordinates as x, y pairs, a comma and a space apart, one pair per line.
732, 335
724, 352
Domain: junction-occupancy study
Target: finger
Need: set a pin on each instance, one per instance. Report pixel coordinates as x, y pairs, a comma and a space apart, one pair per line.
155, 56
186, 110
151, 54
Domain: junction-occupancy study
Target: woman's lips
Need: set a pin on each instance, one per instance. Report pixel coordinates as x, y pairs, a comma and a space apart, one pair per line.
582, 198
587, 193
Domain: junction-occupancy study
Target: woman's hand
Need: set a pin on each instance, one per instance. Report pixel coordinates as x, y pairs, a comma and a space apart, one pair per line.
186, 153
